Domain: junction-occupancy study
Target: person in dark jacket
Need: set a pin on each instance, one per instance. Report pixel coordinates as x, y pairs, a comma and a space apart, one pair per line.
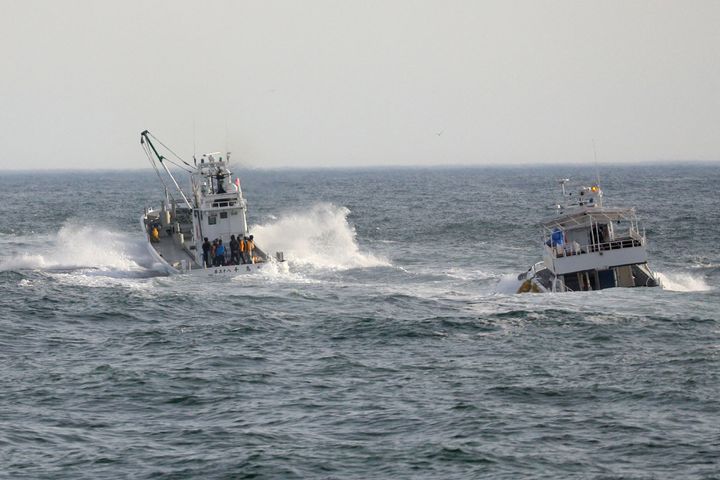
206, 252
234, 250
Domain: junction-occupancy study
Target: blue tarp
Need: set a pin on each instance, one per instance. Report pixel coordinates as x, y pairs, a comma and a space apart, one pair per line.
557, 237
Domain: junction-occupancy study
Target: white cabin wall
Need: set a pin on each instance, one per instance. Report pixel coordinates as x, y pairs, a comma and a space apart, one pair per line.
599, 260
234, 224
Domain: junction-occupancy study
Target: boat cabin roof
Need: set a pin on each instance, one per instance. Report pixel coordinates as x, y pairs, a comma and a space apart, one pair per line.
587, 215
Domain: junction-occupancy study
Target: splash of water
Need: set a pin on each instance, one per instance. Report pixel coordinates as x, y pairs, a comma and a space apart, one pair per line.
674, 281
274, 272
682, 282
319, 237
508, 284
77, 246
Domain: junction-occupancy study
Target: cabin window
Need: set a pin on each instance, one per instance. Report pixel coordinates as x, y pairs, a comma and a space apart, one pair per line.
223, 214
572, 282
212, 219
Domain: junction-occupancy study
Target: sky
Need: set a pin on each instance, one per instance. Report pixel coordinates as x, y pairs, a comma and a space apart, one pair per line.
332, 83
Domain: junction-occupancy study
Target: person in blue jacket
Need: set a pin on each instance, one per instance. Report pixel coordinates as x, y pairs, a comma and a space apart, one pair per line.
220, 253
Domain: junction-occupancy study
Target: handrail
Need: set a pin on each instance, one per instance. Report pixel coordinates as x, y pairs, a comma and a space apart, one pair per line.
569, 250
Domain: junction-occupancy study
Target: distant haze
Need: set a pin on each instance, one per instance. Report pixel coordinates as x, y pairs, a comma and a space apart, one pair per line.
359, 83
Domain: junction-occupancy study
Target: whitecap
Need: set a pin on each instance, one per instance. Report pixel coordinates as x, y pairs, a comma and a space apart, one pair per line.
682, 282
319, 237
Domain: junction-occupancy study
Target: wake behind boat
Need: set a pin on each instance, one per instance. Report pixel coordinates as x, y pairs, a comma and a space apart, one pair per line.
590, 247
205, 233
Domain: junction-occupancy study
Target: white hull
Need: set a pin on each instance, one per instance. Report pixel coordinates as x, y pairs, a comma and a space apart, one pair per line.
214, 211
191, 268
540, 279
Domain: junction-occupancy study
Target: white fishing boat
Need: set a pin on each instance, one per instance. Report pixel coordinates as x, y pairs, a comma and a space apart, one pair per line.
181, 233
587, 246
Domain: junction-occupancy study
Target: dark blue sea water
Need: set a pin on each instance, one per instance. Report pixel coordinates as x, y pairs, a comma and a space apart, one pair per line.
391, 347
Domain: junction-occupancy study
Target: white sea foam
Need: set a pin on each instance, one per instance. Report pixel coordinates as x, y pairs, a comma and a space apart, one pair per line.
275, 272
508, 284
319, 237
77, 246
470, 274
673, 281
83, 278
683, 282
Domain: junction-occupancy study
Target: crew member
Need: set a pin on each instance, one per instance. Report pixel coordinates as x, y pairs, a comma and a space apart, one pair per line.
241, 249
155, 234
206, 252
234, 250
220, 254
244, 249
250, 247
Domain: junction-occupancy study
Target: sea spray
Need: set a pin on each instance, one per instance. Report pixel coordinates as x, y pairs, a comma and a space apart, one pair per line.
76, 246
682, 282
508, 284
320, 237
673, 281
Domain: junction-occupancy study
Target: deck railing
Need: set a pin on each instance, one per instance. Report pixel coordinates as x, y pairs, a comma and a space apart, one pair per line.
568, 250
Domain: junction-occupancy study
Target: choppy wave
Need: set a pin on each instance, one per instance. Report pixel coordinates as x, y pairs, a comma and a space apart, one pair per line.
508, 284
79, 246
274, 273
110, 375
673, 281
320, 237
683, 282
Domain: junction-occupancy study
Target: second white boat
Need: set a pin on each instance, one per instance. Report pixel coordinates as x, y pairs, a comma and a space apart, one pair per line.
588, 246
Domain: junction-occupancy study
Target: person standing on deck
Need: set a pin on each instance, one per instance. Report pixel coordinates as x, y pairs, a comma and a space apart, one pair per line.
155, 235
244, 250
220, 254
241, 249
234, 250
213, 258
206, 252
250, 247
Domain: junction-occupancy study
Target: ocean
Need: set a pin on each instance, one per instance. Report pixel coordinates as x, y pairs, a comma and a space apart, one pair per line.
391, 344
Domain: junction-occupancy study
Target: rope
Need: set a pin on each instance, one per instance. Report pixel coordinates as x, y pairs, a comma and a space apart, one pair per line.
170, 150
178, 165
148, 153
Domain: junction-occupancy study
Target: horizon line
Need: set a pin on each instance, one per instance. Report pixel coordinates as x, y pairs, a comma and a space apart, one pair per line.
386, 167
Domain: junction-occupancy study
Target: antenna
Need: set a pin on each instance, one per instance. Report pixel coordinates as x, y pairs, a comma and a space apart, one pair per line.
562, 182
194, 142
226, 136
597, 168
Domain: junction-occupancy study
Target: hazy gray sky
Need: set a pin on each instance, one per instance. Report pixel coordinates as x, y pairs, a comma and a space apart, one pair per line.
345, 83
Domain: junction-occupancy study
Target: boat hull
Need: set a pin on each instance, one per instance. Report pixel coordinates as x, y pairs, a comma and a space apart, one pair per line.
540, 279
190, 267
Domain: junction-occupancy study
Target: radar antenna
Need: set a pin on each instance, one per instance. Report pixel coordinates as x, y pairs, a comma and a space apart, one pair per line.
597, 168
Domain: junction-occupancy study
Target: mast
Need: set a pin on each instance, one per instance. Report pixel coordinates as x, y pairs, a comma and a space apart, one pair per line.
145, 138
